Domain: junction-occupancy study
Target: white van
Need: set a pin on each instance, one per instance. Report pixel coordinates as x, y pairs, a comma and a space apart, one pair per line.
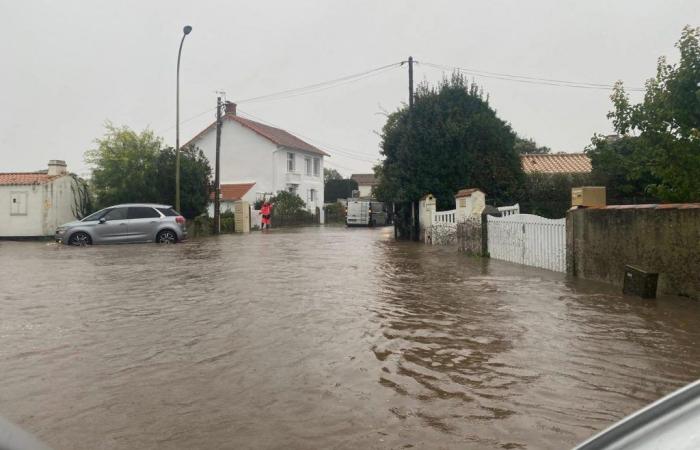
365, 213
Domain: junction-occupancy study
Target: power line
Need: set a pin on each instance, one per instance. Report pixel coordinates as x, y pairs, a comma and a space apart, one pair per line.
316, 87
344, 152
528, 79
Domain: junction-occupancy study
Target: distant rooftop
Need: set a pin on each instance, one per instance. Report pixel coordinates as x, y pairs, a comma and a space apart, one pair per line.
232, 192
556, 163
364, 179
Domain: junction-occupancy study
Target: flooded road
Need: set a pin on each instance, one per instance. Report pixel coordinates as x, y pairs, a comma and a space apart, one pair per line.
322, 338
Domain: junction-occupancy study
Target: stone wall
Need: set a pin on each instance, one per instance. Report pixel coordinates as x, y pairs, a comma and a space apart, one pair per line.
656, 238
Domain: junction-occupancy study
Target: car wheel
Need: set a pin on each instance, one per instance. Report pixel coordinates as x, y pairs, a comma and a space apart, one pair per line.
80, 239
166, 237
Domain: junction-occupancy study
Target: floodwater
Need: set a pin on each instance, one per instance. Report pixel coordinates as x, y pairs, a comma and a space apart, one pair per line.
322, 338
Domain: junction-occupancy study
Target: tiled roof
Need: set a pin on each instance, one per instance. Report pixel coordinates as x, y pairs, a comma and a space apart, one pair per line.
364, 179
556, 163
24, 178
275, 135
233, 192
466, 192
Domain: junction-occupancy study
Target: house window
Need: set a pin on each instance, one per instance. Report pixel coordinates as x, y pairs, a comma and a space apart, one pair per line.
317, 167
292, 188
307, 164
290, 162
18, 203
312, 195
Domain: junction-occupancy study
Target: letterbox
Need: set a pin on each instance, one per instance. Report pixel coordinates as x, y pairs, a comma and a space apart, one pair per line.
639, 282
592, 196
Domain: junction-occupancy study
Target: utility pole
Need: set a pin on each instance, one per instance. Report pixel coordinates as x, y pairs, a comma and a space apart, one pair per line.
217, 180
415, 226
410, 81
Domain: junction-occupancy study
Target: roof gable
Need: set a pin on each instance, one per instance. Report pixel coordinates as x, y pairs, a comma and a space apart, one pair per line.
277, 136
556, 163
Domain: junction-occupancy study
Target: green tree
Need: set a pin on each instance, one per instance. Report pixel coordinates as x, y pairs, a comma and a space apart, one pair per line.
528, 147
331, 174
667, 123
133, 167
195, 179
287, 204
335, 189
450, 139
620, 165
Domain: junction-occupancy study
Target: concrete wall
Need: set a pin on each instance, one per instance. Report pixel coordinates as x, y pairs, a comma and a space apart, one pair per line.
663, 239
48, 206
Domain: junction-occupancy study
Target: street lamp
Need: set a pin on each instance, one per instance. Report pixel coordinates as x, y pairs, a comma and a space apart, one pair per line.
185, 32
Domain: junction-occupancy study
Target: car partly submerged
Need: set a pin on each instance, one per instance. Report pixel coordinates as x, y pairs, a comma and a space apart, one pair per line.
126, 223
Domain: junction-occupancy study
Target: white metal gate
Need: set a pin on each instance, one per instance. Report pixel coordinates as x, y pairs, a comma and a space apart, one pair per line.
528, 239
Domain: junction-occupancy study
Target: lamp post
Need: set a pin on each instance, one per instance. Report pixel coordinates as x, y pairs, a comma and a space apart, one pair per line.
185, 32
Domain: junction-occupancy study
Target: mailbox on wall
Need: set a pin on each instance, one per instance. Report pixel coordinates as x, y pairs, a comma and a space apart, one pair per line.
591, 196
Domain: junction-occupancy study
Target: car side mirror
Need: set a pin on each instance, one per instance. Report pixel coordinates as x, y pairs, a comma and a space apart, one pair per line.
103, 220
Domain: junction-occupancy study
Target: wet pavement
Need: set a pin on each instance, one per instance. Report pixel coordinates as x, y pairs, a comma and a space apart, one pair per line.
322, 338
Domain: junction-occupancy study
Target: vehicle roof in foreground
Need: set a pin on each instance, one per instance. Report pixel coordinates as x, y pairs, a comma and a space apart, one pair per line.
670, 423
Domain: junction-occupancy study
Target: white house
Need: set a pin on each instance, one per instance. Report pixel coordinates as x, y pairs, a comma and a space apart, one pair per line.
33, 204
269, 158
365, 183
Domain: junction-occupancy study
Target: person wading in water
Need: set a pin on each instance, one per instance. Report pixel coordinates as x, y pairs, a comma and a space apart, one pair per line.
265, 211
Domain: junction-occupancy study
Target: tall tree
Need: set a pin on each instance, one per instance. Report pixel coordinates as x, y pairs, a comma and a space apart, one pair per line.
667, 123
335, 189
450, 139
331, 174
526, 146
129, 167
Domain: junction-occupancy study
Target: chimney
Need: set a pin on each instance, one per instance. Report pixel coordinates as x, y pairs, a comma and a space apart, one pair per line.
231, 108
57, 167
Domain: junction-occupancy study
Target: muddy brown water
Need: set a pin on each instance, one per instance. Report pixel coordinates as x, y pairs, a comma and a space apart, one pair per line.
322, 338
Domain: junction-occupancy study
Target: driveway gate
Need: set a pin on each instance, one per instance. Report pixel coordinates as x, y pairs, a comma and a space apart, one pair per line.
528, 239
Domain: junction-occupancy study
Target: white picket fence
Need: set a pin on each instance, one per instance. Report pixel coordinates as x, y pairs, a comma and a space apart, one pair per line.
528, 239
509, 210
444, 217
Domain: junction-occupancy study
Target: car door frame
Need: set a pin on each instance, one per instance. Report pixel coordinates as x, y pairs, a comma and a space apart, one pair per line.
143, 229
109, 231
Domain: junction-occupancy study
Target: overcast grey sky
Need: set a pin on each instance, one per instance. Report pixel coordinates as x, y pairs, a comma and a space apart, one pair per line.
68, 66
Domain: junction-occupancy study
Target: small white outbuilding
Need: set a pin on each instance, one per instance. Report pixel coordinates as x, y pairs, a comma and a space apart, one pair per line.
33, 204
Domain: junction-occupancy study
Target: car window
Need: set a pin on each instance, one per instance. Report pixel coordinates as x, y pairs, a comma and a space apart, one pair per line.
168, 212
95, 215
142, 212
116, 214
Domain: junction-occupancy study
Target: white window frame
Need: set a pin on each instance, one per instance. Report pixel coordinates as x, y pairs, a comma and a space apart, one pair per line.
308, 166
19, 198
291, 162
312, 196
317, 167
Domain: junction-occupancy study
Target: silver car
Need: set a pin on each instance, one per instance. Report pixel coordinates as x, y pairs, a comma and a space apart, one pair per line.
137, 222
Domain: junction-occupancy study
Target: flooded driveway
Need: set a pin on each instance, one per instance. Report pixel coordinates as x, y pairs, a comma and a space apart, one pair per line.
322, 338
